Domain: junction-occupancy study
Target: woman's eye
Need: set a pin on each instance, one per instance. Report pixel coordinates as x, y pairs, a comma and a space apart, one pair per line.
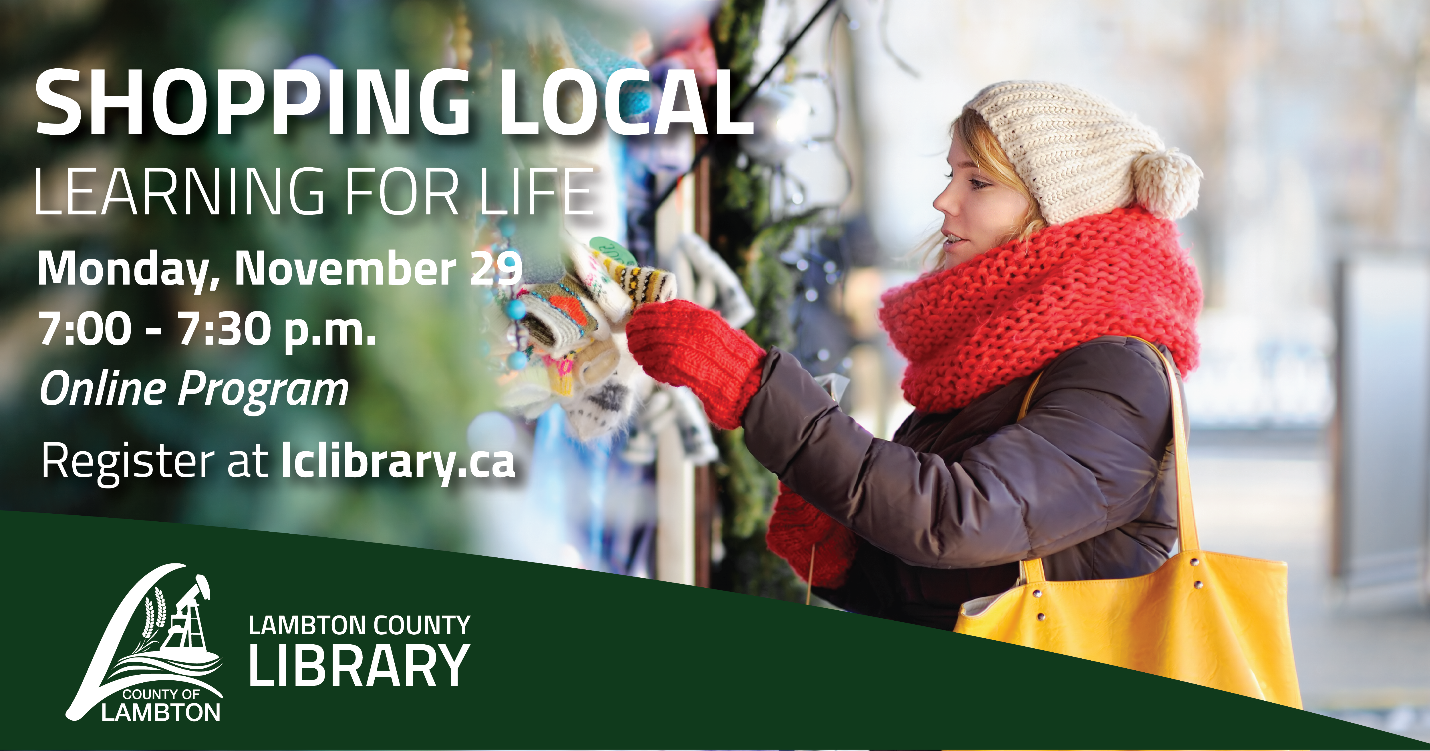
979, 184
949, 175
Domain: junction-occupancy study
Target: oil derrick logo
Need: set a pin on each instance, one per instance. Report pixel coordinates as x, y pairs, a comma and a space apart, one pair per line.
176, 652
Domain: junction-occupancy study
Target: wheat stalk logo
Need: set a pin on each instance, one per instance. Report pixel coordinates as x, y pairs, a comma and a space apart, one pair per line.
153, 624
163, 609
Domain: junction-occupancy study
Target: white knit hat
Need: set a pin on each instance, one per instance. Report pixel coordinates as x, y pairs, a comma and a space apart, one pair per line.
1079, 155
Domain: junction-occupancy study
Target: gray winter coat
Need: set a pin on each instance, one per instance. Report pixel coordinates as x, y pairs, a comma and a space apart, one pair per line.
947, 509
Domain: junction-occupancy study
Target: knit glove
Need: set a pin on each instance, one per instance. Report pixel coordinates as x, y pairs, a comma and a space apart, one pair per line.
683, 344
797, 527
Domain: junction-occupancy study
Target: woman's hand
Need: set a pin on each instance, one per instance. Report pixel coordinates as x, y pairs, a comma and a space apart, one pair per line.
797, 527
683, 344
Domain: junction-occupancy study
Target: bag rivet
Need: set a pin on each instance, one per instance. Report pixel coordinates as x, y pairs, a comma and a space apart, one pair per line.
1198, 585
1196, 562
1042, 617
1037, 593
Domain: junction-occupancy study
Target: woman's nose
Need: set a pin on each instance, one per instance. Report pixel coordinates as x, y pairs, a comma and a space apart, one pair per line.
945, 203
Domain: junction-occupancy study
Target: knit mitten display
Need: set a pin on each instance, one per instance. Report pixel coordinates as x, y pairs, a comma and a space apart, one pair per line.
797, 527
683, 344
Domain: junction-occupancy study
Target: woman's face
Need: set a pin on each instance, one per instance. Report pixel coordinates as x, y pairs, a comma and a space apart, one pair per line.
979, 213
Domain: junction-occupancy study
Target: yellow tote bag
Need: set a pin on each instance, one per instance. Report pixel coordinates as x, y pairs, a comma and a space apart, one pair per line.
1212, 619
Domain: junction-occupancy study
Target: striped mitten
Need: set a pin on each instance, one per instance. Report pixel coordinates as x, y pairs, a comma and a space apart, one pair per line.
644, 284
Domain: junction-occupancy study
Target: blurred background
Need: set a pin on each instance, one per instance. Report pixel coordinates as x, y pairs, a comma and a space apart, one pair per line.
1311, 121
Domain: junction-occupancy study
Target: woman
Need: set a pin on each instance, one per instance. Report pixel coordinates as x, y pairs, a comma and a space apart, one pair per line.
1058, 248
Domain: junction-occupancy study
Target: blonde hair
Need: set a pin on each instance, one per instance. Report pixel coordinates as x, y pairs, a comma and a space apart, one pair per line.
982, 147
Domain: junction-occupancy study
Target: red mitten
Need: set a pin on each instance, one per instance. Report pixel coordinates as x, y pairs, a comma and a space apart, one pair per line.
796, 527
683, 344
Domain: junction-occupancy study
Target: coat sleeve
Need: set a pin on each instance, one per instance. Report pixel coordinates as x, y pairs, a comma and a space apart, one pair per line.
1080, 463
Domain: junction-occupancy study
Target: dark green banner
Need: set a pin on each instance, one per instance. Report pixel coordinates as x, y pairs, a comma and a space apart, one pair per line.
123, 634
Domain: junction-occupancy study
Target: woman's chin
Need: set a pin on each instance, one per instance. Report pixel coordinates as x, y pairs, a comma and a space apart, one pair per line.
959, 252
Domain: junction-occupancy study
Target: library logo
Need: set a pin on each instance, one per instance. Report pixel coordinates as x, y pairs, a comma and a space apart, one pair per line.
165, 644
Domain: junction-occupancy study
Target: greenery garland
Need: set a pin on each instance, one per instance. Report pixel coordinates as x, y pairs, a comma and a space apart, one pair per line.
745, 237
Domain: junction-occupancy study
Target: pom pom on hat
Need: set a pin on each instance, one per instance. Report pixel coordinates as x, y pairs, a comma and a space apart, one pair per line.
1080, 155
1166, 182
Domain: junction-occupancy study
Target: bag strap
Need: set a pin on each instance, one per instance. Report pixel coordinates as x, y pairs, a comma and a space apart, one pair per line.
1186, 519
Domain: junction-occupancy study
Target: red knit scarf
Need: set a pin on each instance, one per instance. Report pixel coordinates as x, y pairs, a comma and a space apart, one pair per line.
1010, 311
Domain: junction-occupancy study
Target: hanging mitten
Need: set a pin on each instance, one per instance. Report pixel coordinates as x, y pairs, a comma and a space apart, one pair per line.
599, 286
688, 46
595, 364
656, 411
525, 389
601, 63
560, 374
700, 448
719, 287
562, 319
796, 528
602, 409
683, 344
641, 283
